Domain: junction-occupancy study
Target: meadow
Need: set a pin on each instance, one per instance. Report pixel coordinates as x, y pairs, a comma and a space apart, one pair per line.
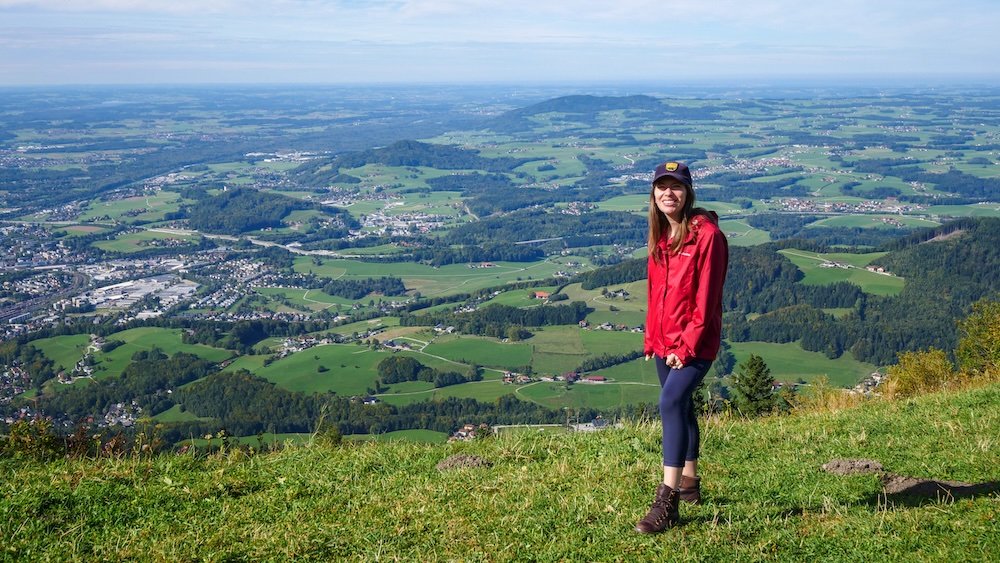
143, 240
147, 208
816, 274
65, 351
766, 496
483, 351
432, 281
167, 340
313, 299
790, 363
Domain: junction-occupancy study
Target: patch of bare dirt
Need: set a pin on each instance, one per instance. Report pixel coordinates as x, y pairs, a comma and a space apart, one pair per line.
461, 461
901, 485
945, 236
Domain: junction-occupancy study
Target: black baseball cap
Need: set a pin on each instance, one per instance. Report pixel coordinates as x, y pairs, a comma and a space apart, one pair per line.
676, 170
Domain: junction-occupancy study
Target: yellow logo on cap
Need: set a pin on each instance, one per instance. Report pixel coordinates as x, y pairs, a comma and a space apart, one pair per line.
671, 166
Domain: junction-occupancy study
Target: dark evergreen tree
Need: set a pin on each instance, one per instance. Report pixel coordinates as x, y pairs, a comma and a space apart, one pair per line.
754, 387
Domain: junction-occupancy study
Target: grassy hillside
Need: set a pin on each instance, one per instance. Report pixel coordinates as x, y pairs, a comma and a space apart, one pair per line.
547, 496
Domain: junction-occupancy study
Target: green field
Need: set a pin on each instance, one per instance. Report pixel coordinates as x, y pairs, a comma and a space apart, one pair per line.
144, 240
145, 208
314, 299
486, 391
350, 369
873, 222
176, 414
789, 362
520, 297
978, 210
484, 351
416, 436
739, 233
560, 349
79, 230
428, 280
870, 282
64, 351
145, 339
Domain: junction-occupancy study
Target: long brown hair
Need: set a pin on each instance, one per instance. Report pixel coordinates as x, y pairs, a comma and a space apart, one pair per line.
658, 223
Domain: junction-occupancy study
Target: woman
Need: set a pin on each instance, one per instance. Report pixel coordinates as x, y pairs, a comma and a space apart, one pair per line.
688, 257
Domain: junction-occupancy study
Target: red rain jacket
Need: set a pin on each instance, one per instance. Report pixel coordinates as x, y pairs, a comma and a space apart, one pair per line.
684, 294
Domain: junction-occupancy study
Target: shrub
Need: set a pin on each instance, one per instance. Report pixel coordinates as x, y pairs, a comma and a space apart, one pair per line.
918, 373
32, 438
978, 351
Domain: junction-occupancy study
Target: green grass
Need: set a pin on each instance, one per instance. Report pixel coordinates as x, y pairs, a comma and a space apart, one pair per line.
739, 233
484, 391
78, 230
311, 298
350, 369
977, 210
175, 414
428, 280
143, 240
145, 339
484, 351
151, 208
766, 496
520, 297
418, 436
870, 282
873, 222
64, 351
789, 362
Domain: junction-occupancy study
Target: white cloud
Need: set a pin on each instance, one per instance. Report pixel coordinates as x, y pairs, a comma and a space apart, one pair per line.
593, 38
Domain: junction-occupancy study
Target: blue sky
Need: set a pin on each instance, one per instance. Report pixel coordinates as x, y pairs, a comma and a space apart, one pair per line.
486, 41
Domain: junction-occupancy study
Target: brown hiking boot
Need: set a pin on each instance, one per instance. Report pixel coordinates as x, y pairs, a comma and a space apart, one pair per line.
690, 489
662, 513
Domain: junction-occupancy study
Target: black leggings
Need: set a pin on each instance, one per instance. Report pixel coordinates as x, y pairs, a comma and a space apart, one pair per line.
681, 438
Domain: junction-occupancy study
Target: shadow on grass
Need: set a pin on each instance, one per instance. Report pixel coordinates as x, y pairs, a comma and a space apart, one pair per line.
912, 492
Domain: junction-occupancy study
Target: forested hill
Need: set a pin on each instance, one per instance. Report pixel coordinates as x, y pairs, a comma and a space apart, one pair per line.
238, 211
585, 108
946, 270
404, 153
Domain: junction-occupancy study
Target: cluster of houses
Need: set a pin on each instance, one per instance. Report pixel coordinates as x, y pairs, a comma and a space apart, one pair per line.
510, 377
299, 343
584, 324
879, 270
121, 414
403, 224
801, 205
469, 432
867, 385
84, 368
13, 381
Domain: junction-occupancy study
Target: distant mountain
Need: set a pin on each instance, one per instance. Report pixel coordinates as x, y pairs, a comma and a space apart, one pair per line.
586, 109
404, 153
591, 104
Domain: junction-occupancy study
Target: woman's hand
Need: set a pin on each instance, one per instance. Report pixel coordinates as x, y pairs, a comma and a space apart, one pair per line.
673, 361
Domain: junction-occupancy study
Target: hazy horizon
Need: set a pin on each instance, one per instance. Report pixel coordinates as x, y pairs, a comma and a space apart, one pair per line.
388, 42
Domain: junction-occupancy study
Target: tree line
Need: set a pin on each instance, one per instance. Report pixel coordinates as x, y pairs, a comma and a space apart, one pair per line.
397, 369
501, 321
